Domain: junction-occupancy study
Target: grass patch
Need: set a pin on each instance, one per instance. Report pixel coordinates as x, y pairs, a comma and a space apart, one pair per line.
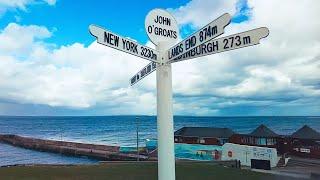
130, 171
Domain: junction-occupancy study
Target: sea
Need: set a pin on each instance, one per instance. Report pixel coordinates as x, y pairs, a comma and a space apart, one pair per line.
121, 131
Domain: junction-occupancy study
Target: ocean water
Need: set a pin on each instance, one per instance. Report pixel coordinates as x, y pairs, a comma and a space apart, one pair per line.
121, 130
10, 155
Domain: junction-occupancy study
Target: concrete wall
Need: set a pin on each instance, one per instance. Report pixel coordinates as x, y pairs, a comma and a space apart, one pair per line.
103, 152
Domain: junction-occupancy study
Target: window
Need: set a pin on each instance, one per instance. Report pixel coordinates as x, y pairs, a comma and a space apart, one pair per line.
304, 150
223, 141
262, 141
271, 141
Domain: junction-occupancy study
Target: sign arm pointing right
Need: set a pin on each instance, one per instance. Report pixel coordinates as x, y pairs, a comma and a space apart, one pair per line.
206, 33
235, 41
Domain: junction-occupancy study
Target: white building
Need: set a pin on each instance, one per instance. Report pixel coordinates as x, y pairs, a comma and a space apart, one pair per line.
246, 153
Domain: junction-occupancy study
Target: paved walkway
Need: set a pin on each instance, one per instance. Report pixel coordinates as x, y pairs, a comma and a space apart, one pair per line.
283, 173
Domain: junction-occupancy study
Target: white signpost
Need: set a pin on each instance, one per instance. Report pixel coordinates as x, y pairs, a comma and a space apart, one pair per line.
162, 30
162, 21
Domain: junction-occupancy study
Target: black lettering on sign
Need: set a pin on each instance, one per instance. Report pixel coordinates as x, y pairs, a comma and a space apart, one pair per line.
148, 53
212, 46
133, 80
149, 68
231, 41
143, 51
236, 41
246, 40
207, 33
149, 29
130, 46
189, 43
225, 41
163, 20
134, 47
111, 39
143, 72
165, 32
154, 65
175, 51
202, 49
174, 34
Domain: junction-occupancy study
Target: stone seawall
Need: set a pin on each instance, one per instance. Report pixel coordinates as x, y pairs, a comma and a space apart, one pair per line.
101, 152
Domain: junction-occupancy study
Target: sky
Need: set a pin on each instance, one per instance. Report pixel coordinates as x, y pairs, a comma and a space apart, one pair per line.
51, 65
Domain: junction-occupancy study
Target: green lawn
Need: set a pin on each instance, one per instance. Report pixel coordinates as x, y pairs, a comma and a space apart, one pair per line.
127, 171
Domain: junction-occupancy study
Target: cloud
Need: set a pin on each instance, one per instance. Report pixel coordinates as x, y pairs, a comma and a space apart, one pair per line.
20, 4
282, 70
21, 40
280, 75
201, 12
73, 76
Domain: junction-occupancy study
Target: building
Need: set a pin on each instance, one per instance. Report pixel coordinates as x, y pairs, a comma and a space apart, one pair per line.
253, 156
262, 136
305, 142
203, 135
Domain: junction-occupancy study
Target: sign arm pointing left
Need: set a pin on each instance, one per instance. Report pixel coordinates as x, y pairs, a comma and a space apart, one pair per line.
115, 41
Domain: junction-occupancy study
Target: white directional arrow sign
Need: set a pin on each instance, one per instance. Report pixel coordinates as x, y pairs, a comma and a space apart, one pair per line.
148, 69
208, 32
113, 40
235, 41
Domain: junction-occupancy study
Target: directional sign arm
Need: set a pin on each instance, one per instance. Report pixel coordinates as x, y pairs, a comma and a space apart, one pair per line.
235, 41
113, 40
208, 32
148, 69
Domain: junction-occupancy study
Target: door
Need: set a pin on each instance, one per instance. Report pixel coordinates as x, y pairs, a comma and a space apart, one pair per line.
260, 164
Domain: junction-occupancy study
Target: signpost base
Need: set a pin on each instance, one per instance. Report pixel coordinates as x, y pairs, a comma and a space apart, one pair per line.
166, 157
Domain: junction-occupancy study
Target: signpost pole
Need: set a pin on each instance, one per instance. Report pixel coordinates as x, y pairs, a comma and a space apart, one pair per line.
166, 158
